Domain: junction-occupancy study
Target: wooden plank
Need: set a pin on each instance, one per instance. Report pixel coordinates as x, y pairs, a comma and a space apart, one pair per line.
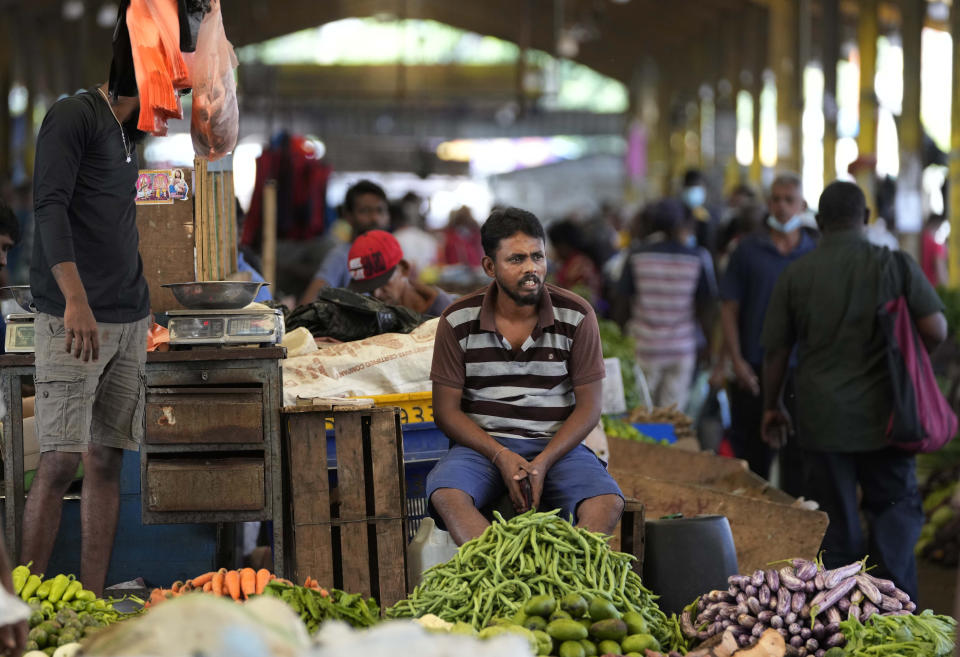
230, 484
310, 498
351, 485
389, 500
231, 214
166, 248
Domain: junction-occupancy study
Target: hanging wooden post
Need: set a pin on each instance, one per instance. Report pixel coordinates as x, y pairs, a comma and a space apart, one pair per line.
270, 233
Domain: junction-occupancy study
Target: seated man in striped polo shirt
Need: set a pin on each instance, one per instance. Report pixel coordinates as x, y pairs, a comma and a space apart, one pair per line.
517, 385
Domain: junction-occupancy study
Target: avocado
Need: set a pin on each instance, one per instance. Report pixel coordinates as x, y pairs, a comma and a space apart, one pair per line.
640, 643
636, 623
574, 604
589, 649
571, 649
565, 629
601, 609
613, 629
535, 623
608, 648
541, 605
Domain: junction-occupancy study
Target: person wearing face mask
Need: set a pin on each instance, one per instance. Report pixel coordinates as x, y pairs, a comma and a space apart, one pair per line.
669, 284
745, 290
377, 267
694, 198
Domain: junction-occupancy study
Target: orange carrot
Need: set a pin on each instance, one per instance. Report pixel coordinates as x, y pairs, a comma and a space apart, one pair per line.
200, 581
248, 582
306, 582
217, 580
208, 587
175, 588
232, 583
263, 577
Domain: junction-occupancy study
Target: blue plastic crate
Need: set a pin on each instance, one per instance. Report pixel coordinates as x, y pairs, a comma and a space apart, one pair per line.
422, 441
663, 431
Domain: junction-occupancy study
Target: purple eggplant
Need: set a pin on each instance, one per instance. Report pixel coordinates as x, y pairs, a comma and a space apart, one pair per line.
686, 624
738, 581
753, 605
797, 602
833, 615
831, 628
745, 640
757, 578
741, 598
736, 630
811, 586
833, 578
856, 597
716, 628
869, 609
889, 603
763, 595
836, 639
812, 644
910, 606
795, 628
783, 601
776, 622
791, 651
900, 612
804, 570
733, 591
805, 633
782, 631
796, 641
902, 596
773, 580
820, 653
746, 620
750, 590
743, 608
868, 588
802, 652
843, 605
791, 581
757, 630
819, 630
818, 580
854, 612
765, 616
885, 585
805, 610
827, 598
791, 617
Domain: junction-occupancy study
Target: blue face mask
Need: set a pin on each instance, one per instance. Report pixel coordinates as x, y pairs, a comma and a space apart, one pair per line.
691, 241
792, 224
694, 197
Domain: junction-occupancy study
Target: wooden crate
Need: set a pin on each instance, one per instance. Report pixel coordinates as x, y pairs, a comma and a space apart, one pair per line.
200, 484
351, 536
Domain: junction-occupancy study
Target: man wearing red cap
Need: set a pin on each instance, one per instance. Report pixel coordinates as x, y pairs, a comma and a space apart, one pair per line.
377, 267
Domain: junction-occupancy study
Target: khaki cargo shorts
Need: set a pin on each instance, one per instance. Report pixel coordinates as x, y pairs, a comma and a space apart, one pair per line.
98, 402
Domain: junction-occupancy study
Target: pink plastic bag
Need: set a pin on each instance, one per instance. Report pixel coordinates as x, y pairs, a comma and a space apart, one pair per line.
215, 118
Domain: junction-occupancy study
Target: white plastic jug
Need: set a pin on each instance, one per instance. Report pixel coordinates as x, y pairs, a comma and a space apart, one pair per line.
429, 547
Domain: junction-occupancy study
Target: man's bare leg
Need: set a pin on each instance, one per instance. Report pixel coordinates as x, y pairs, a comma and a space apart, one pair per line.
41, 513
99, 509
461, 517
600, 513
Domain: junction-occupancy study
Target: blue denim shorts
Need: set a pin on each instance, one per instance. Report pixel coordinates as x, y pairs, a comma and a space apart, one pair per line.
578, 476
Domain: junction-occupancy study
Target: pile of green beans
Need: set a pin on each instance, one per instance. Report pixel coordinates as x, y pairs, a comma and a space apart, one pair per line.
532, 554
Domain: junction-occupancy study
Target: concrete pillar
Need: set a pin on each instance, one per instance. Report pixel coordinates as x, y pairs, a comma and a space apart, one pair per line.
830, 29
909, 204
954, 209
867, 33
761, 60
656, 119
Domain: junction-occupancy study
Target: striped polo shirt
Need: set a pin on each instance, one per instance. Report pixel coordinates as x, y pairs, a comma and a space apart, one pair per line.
665, 281
527, 393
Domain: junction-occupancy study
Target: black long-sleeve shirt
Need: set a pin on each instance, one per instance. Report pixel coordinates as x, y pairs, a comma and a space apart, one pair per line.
84, 200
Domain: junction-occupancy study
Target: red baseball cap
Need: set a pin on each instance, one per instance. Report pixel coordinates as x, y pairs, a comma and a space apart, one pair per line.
372, 259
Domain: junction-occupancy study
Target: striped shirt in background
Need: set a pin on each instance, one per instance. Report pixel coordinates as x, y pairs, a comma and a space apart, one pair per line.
665, 282
522, 394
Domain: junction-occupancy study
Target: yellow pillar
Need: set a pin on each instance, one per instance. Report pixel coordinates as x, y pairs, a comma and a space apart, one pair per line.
867, 33
831, 55
760, 23
909, 200
954, 247
783, 60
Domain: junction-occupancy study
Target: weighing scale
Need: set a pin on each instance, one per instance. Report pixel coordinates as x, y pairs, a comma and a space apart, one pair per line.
20, 334
225, 327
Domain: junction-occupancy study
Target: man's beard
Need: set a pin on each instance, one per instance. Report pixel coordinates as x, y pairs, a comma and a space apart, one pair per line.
529, 299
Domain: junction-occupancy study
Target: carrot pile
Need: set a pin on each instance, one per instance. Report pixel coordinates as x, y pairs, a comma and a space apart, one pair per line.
237, 584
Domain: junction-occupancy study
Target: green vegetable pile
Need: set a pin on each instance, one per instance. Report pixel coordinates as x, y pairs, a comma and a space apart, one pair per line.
617, 345
618, 428
62, 611
907, 635
316, 606
496, 575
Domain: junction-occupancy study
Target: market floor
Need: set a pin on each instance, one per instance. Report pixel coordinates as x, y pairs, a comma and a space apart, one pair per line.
937, 587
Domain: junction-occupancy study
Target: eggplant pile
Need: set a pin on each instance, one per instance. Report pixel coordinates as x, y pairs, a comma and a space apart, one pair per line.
801, 601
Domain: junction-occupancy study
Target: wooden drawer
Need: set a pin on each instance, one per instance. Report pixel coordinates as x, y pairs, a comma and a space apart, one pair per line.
198, 415
230, 484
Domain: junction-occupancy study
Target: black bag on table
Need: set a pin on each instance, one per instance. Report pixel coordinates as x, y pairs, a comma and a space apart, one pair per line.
346, 316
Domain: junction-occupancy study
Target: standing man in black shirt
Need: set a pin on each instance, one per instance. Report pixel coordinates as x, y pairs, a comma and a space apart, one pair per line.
94, 313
